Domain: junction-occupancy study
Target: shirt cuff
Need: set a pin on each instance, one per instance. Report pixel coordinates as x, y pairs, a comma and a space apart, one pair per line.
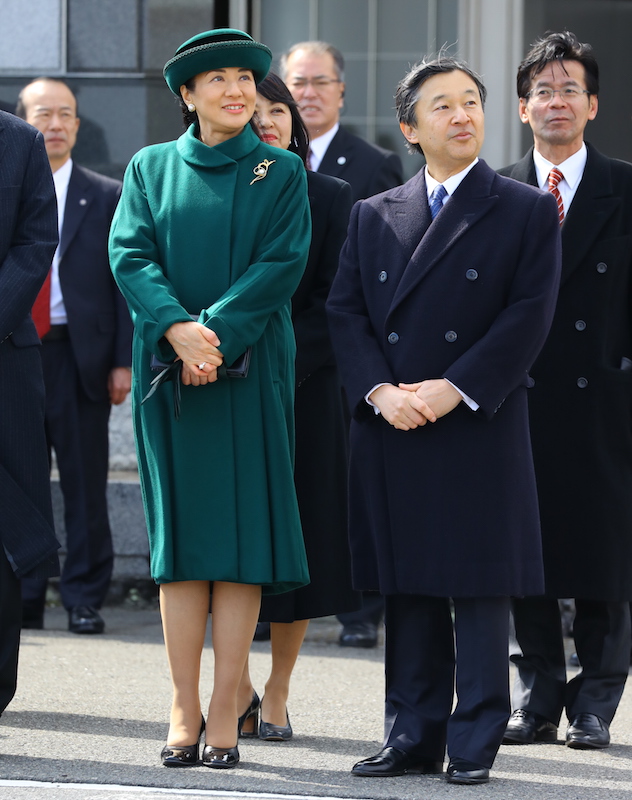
376, 410
466, 399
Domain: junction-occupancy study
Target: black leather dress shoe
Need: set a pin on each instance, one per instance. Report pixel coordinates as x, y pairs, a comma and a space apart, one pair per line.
359, 634
524, 727
391, 762
587, 732
220, 757
466, 773
85, 619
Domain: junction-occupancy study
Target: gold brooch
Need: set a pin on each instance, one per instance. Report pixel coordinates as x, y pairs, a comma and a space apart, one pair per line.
261, 170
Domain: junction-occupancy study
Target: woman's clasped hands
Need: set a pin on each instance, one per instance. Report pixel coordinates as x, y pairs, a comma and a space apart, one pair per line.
198, 349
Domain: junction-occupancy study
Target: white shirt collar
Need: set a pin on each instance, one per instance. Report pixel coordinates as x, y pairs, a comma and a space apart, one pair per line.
451, 184
319, 146
61, 177
572, 169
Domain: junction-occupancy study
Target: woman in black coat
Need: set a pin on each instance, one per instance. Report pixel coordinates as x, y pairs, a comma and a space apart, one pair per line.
321, 431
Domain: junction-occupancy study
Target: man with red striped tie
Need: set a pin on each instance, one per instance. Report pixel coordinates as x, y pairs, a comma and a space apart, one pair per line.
580, 412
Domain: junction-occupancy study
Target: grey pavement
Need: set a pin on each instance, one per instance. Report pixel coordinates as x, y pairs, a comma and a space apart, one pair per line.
89, 720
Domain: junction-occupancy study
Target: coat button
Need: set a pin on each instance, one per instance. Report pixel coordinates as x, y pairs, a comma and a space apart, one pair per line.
451, 336
582, 382
382, 276
580, 325
393, 338
471, 274
601, 267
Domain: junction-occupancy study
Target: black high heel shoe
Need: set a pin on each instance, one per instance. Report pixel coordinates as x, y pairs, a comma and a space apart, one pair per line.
275, 733
182, 755
249, 713
220, 757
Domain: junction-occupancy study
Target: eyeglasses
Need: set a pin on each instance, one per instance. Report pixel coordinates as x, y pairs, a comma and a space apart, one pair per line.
318, 84
544, 96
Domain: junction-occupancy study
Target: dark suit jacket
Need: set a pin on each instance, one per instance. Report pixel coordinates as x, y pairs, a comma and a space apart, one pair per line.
581, 406
368, 169
28, 237
320, 468
330, 204
448, 509
99, 324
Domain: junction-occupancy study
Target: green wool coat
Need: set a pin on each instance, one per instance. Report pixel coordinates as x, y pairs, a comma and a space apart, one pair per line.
196, 233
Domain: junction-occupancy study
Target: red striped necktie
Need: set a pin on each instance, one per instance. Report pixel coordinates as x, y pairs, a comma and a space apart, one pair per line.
41, 308
555, 176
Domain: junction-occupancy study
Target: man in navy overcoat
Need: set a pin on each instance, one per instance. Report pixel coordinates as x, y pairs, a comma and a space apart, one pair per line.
437, 313
28, 237
580, 413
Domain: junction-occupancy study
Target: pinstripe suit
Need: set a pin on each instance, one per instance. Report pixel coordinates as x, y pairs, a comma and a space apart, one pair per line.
28, 237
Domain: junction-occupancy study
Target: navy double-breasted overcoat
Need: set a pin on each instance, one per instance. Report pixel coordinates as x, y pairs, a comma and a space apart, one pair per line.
448, 509
581, 406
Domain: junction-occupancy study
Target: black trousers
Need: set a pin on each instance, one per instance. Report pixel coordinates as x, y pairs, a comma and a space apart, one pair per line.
425, 651
602, 641
10, 625
77, 429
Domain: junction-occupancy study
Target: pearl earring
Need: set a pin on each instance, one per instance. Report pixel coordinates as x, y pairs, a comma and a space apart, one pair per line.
191, 107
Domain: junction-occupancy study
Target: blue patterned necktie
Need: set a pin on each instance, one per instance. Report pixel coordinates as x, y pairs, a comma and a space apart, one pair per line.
436, 199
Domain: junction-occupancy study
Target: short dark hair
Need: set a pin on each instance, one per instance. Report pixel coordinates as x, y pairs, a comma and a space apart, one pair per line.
20, 108
407, 92
318, 49
274, 90
556, 46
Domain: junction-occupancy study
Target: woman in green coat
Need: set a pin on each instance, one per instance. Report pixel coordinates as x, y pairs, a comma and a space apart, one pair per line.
215, 225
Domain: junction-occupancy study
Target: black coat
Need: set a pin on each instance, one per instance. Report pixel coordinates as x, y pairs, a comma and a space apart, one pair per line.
581, 406
448, 509
368, 169
28, 237
99, 323
320, 471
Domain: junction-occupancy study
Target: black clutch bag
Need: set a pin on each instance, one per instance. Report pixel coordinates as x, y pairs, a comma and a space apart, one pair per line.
238, 369
173, 372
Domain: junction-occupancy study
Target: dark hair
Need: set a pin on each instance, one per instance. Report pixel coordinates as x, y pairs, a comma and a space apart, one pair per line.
274, 90
20, 108
318, 49
188, 117
407, 92
559, 47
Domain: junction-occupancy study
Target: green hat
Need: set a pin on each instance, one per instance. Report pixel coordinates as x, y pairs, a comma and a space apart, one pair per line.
222, 47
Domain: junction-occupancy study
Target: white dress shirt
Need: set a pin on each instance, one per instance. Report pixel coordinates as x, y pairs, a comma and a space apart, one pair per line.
318, 147
572, 169
61, 179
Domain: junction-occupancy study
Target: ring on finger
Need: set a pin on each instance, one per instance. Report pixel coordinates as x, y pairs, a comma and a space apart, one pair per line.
202, 365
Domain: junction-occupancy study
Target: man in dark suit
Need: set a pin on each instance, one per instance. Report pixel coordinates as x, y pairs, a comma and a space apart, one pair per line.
86, 353
28, 237
314, 74
580, 412
437, 313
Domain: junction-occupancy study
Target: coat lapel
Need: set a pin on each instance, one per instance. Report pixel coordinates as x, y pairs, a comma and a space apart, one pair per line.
80, 196
337, 156
592, 207
469, 203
